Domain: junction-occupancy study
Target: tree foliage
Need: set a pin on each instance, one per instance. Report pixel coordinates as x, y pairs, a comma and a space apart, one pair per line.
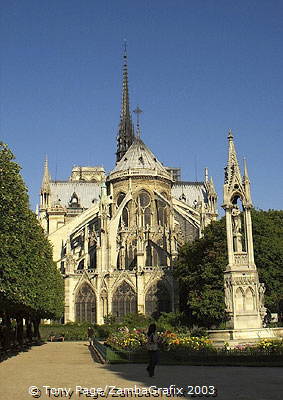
30, 284
268, 248
201, 264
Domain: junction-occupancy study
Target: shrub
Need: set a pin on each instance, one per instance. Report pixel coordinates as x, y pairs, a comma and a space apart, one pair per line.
172, 322
71, 331
198, 331
103, 331
132, 321
109, 319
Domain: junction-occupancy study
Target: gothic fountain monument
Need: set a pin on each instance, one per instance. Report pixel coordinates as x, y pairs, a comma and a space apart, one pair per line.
244, 294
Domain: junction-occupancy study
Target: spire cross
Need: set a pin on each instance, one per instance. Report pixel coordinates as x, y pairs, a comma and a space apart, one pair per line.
125, 48
230, 134
138, 111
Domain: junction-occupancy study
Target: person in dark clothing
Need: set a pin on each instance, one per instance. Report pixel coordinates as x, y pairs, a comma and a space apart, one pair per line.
152, 347
90, 334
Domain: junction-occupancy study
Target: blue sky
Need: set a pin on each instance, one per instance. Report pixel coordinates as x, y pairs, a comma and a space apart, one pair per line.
196, 68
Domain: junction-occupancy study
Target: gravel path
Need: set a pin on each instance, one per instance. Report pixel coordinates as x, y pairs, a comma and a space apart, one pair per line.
70, 365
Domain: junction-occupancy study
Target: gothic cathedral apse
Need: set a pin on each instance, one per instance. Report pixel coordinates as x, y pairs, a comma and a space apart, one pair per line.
115, 236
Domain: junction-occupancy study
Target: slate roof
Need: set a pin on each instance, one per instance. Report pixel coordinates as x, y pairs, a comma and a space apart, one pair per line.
139, 156
190, 190
87, 192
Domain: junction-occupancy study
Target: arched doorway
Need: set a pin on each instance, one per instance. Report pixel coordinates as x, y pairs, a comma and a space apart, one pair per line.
85, 304
157, 300
124, 301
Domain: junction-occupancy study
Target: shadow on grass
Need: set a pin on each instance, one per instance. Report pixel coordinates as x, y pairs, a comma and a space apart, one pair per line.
16, 350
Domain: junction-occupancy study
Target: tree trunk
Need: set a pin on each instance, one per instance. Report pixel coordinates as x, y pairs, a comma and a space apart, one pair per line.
20, 330
6, 332
29, 329
36, 322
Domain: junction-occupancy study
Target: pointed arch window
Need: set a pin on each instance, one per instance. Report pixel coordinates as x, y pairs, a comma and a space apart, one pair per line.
125, 213
131, 256
120, 198
144, 201
157, 300
161, 212
124, 301
156, 254
85, 304
125, 216
148, 259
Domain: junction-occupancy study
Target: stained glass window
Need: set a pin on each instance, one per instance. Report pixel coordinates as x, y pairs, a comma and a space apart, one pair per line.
144, 201
85, 304
124, 301
157, 300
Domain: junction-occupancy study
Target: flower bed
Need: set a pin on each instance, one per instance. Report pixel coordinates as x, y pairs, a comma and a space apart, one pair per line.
171, 342
184, 349
136, 340
265, 346
123, 339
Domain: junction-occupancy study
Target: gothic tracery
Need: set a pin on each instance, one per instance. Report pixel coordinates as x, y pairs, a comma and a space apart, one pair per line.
128, 224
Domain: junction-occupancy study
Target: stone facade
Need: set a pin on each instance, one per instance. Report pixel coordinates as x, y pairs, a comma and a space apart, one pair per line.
115, 236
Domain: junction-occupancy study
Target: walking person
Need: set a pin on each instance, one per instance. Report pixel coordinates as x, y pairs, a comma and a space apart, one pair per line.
152, 347
90, 334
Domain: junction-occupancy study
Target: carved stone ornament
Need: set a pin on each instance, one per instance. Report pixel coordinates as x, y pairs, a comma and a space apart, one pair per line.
92, 238
243, 280
261, 291
262, 308
70, 263
241, 259
228, 294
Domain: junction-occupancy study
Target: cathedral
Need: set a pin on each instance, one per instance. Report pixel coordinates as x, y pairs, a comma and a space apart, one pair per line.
115, 236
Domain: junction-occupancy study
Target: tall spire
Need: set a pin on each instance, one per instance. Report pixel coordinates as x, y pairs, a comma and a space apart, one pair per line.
138, 111
45, 184
234, 184
246, 175
126, 134
206, 174
232, 170
246, 183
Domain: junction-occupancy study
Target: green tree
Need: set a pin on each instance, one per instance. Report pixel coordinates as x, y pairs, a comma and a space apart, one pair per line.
268, 248
30, 285
201, 264
13, 217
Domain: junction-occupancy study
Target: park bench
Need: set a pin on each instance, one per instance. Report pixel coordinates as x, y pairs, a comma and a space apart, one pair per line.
56, 338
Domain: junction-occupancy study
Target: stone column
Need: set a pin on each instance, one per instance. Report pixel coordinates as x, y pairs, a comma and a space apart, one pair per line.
140, 293
229, 232
249, 238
